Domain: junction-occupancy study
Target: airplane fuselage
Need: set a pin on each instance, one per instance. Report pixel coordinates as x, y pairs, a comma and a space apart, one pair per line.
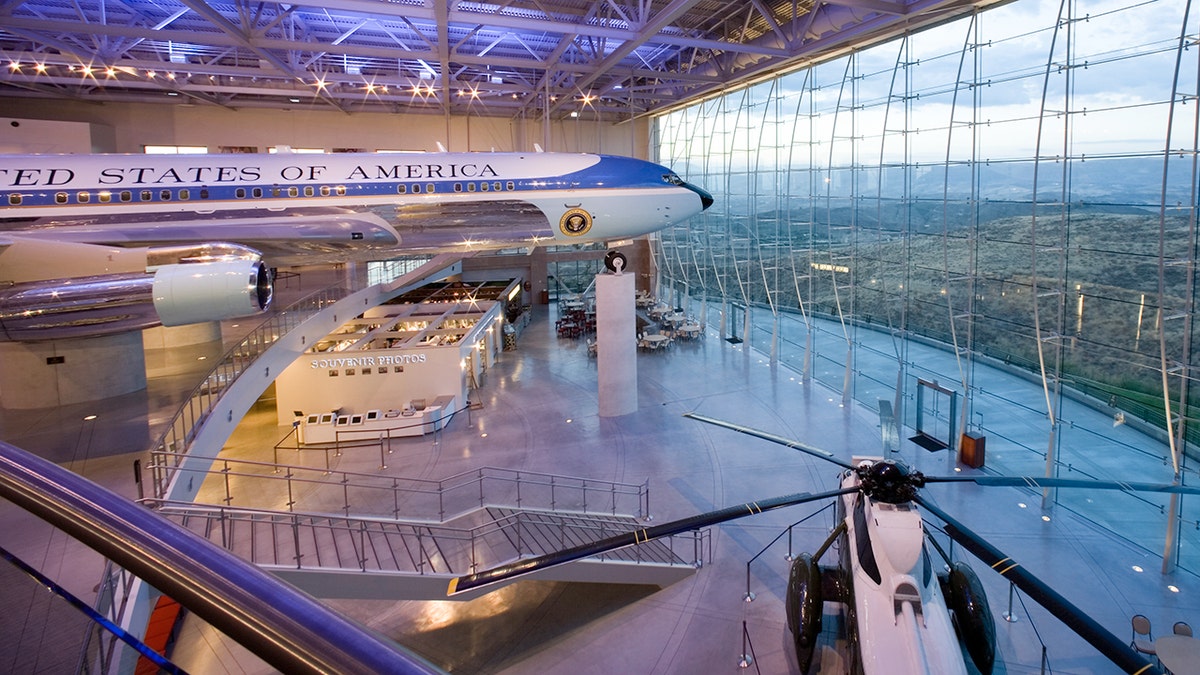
297, 203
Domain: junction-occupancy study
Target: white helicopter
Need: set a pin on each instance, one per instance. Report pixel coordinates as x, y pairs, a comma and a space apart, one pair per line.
906, 613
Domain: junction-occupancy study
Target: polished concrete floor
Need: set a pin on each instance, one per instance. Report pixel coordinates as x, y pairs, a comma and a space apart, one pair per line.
539, 413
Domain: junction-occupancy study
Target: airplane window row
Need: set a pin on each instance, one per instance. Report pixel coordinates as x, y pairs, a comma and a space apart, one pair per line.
483, 186
185, 194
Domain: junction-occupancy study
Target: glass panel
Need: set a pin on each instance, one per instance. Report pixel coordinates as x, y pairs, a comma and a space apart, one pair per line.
1006, 198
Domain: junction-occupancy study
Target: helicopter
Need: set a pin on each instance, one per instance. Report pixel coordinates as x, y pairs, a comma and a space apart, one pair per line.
904, 613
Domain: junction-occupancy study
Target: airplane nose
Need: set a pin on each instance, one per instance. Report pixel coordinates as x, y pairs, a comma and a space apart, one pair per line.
706, 199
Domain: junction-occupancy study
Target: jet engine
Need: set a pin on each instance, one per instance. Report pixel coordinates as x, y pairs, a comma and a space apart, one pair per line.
202, 288
211, 291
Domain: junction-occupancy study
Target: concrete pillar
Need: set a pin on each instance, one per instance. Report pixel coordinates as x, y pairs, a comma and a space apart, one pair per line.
616, 345
63, 372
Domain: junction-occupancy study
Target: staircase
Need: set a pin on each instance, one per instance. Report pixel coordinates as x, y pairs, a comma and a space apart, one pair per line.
334, 556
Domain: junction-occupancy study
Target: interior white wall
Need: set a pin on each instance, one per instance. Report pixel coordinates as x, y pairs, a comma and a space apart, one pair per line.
135, 125
19, 135
310, 389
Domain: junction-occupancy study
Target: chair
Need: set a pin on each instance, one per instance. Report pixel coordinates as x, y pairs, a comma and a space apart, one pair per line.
1143, 640
1182, 628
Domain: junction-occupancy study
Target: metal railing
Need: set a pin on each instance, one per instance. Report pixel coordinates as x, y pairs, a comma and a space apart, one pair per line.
379, 439
99, 651
199, 403
254, 483
318, 541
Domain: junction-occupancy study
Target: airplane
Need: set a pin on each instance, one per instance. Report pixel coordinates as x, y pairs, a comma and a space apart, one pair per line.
105, 243
905, 613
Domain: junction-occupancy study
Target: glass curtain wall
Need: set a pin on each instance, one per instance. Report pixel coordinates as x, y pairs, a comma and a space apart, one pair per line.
1010, 197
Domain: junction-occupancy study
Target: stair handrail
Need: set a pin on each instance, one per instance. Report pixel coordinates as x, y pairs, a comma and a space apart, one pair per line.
453, 496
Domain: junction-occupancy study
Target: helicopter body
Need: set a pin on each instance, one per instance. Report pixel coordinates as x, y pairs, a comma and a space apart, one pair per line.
902, 615
898, 618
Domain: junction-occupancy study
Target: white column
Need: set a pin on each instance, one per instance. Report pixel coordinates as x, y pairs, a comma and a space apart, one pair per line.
616, 346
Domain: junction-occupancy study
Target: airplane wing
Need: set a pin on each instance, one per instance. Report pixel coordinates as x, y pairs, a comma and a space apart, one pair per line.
284, 236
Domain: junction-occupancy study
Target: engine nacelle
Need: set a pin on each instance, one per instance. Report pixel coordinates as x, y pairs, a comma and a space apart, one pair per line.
90, 306
211, 291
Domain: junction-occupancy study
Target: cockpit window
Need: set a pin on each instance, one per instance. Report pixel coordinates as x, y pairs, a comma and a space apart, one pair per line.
673, 179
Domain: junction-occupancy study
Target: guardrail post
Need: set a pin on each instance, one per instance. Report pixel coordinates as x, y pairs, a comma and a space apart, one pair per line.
137, 478
1008, 615
747, 658
441, 502
225, 474
296, 540
362, 546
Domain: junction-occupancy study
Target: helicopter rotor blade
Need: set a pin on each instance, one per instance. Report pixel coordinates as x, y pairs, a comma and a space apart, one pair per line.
1044, 482
786, 442
1114, 648
527, 565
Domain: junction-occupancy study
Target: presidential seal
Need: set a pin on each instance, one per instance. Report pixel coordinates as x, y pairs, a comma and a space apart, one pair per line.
575, 222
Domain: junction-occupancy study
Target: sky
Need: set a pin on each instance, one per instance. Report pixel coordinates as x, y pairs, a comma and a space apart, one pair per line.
1122, 58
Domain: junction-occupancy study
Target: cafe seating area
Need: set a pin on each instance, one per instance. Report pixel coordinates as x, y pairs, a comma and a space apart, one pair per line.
663, 324
576, 318
1177, 653
660, 325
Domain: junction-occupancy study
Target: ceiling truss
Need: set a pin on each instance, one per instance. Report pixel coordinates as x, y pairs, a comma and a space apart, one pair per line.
602, 59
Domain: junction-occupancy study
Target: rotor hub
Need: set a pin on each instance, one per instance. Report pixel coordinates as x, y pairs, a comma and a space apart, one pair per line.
890, 481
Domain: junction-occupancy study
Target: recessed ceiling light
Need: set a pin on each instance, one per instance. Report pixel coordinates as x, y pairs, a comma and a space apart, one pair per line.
1138, 569
1046, 518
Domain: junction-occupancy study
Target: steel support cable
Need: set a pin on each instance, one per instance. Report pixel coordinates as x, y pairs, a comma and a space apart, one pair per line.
1162, 239
847, 74
969, 41
901, 58
1174, 508
1039, 339
801, 100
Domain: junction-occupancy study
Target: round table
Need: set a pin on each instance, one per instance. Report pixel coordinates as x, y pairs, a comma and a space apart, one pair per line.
655, 341
1179, 653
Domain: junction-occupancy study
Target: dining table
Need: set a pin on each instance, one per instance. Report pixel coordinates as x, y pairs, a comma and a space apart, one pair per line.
1180, 654
674, 317
655, 341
